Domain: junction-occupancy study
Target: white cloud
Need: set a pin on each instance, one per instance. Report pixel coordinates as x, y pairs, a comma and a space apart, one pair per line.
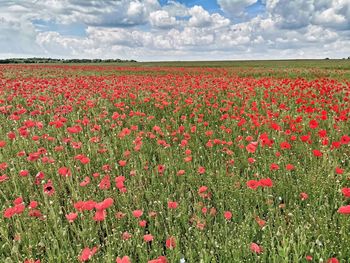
176, 9
201, 18
235, 7
162, 19
17, 37
145, 30
301, 13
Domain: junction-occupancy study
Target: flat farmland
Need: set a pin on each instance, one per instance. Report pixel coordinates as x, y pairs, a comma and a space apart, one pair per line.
245, 161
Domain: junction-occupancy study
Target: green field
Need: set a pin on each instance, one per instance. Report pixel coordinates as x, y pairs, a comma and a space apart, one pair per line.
233, 161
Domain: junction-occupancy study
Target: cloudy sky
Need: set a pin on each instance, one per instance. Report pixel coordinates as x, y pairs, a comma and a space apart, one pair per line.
148, 30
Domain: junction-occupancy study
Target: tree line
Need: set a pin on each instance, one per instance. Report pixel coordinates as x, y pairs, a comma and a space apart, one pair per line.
54, 60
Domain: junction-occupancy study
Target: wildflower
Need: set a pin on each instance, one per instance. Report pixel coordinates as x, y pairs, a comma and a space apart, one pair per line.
48, 188
308, 258
339, 170
125, 259
137, 213
170, 242
172, 205
255, 248
64, 171
317, 153
108, 202
148, 238
344, 209
161, 259
87, 253
251, 147
266, 182
346, 191
304, 196
253, 184
71, 217
201, 170
227, 215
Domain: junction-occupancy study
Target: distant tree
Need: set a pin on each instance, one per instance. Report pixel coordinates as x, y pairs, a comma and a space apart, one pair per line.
54, 60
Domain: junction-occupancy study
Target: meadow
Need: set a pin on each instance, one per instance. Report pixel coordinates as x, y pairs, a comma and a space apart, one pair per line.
175, 162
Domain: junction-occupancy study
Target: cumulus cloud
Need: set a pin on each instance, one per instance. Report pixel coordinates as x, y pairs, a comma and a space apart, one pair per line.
201, 18
301, 13
146, 30
235, 7
162, 19
97, 13
176, 9
17, 37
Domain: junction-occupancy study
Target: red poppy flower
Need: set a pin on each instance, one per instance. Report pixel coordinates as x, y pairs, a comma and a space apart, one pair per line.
201, 170
122, 163
251, 147
304, 196
344, 209
24, 173
9, 212
313, 124
346, 192
308, 258
125, 259
105, 183
71, 217
202, 189
2, 144
100, 215
48, 188
181, 172
31, 261
87, 253
3, 166
85, 182
3, 178
33, 204
148, 238
332, 260
266, 182
108, 202
137, 213
253, 184
142, 223
274, 167
251, 160
260, 221
161, 168
85, 160
87, 205
172, 205
255, 248
227, 215
126, 236
339, 170
170, 243
64, 171
317, 153
289, 167
161, 259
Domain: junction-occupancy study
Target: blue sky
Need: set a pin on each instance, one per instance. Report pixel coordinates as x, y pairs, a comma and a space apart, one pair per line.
175, 29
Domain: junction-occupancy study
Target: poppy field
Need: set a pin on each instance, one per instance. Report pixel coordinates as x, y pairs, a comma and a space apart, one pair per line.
174, 164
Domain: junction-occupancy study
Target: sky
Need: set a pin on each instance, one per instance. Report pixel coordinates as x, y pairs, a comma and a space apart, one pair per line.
159, 30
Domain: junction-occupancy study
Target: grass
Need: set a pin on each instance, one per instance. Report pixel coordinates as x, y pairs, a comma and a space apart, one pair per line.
308, 69
145, 115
